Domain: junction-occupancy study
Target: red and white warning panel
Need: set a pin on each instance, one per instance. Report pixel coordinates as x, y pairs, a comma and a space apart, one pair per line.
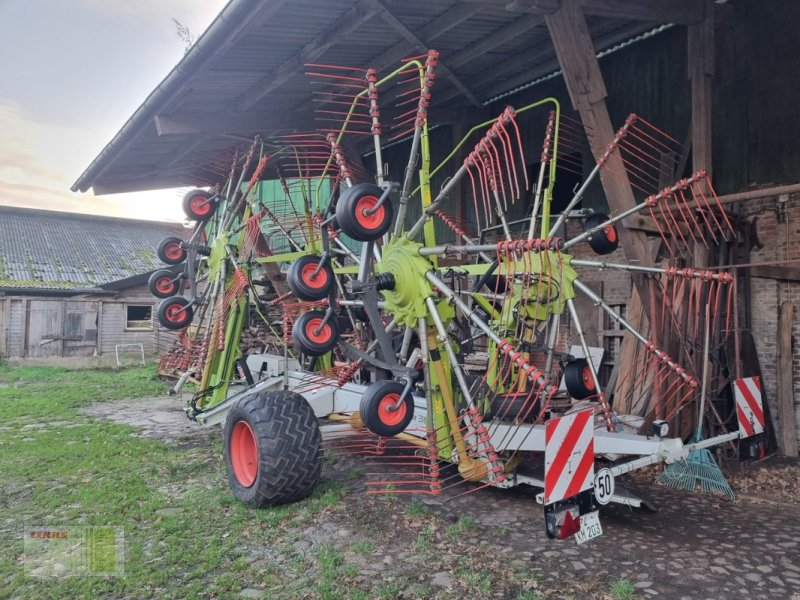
568, 456
749, 406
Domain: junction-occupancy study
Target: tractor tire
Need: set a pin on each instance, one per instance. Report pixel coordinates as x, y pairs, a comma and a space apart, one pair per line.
163, 283
199, 205
351, 213
175, 313
171, 251
299, 280
578, 379
374, 408
511, 407
310, 342
272, 448
603, 241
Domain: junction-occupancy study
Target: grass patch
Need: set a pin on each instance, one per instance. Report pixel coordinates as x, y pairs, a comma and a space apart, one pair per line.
623, 589
363, 547
464, 525
185, 535
416, 508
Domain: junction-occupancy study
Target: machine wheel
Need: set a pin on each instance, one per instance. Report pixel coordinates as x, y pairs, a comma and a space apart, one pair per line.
604, 241
496, 283
308, 340
578, 379
163, 283
199, 205
375, 408
510, 407
175, 313
272, 448
299, 278
171, 251
351, 213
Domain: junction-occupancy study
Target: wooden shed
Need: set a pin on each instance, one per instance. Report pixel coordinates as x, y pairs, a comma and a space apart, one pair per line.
74, 285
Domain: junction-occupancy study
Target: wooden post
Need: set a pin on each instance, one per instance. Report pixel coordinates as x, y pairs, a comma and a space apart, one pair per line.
786, 414
578, 60
701, 72
576, 55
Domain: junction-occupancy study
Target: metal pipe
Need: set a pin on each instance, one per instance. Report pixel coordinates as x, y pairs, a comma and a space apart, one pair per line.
621, 320
537, 198
575, 199
451, 183
573, 313
454, 364
480, 324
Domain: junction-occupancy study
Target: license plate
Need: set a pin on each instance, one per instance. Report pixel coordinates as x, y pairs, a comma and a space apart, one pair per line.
590, 527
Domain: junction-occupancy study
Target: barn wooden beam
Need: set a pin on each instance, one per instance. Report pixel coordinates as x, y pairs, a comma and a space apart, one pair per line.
496, 38
349, 22
786, 408
576, 54
139, 183
682, 12
430, 33
422, 46
507, 76
701, 72
225, 123
778, 272
390, 58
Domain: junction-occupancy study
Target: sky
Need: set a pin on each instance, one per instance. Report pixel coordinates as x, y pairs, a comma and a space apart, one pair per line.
71, 73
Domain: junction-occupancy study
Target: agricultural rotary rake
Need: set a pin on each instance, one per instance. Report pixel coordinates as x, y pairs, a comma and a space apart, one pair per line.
447, 365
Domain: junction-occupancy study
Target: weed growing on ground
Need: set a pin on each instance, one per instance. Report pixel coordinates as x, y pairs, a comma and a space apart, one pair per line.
464, 525
623, 589
416, 508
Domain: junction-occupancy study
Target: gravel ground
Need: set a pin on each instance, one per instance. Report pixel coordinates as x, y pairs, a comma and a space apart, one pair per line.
694, 546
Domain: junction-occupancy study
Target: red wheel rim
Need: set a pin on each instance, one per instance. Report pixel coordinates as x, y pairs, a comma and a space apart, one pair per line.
611, 233
244, 454
391, 417
173, 251
200, 205
588, 382
373, 220
174, 313
325, 334
319, 282
165, 285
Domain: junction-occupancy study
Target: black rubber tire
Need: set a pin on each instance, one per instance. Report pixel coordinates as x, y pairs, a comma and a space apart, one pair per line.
510, 407
305, 342
288, 445
361, 227
374, 414
171, 250
496, 283
604, 241
578, 379
199, 205
170, 318
164, 283
297, 278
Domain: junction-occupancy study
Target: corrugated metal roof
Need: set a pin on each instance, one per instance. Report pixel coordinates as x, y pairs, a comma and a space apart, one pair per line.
491, 46
57, 250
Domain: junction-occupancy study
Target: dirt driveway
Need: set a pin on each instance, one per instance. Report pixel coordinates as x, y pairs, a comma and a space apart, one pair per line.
693, 547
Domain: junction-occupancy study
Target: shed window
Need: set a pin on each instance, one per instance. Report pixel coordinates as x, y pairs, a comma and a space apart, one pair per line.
139, 316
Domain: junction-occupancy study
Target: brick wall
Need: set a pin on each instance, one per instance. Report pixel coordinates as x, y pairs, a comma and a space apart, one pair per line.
781, 242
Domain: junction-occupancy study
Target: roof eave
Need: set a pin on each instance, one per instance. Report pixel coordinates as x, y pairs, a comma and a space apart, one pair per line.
227, 24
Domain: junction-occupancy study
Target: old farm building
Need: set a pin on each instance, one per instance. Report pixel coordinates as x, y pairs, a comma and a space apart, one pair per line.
74, 285
720, 77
